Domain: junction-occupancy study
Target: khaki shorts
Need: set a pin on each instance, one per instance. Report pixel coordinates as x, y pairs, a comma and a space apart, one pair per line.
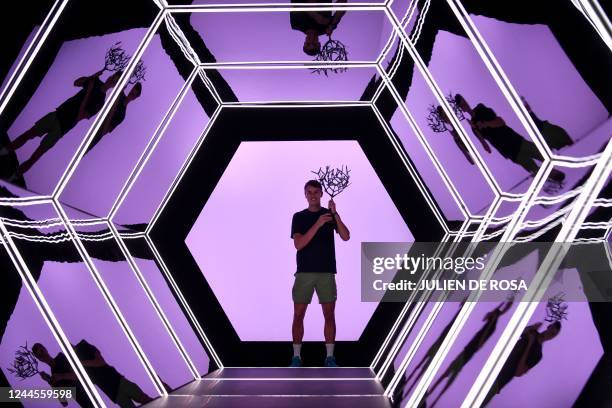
307, 282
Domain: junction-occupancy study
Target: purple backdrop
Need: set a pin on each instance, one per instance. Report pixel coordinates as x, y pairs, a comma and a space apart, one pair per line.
241, 240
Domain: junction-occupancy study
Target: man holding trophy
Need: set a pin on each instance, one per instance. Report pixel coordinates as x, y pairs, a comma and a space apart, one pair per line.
312, 231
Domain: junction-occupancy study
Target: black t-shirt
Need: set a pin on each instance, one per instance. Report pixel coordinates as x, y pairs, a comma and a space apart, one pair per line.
302, 21
505, 140
68, 111
106, 377
534, 355
62, 366
320, 253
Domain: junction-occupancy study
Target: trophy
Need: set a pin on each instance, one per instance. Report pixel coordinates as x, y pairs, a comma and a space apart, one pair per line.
332, 50
25, 364
556, 309
333, 180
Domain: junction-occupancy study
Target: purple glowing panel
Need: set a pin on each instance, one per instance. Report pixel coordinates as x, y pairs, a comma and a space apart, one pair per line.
470, 78
268, 36
95, 183
241, 240
179, 323
164, 164
144, 321
297, 85
25, 327
210, 2
540, 71
426, 168
56, 88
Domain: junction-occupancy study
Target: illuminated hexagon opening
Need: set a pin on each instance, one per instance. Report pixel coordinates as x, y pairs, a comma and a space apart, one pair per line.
241, 239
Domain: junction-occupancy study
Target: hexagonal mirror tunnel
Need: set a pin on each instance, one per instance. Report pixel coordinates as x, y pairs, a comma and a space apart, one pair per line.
182, 183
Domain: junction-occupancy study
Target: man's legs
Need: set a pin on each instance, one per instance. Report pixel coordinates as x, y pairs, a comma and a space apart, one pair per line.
128, 392
303, 289
297, 329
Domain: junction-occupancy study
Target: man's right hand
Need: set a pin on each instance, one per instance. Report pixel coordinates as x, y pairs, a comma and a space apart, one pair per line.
324, 219
45, 376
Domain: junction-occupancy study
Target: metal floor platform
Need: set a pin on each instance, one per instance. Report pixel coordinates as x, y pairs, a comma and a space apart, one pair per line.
280, 387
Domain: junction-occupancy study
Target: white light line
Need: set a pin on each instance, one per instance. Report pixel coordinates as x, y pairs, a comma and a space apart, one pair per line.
602, 202
181, 40
151, 145
489, 215
108, 104
156, 306
272, 7
465, 211
210, 396
49, 317
183, 169
414, 313
209, 85
270, 65
110, 301
589, 240
439, 95
50, 222
412, 171
31, 52
558, 199
287, 379
596, 225
576, 162
547, 219
542, 279
183, 301
295, 105
25, 201
421, 22
599, 19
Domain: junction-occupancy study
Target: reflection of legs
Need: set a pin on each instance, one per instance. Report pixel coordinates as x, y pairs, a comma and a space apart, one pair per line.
46, 124
54, 134
128, 392
449, 382
527, 156
422, 366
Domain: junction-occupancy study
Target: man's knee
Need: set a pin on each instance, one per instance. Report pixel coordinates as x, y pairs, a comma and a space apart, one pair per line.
299, 313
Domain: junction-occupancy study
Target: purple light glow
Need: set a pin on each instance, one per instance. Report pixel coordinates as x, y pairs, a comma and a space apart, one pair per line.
241, 239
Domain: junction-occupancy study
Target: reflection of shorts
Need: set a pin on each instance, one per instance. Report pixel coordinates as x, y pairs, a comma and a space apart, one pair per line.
307, 282
50, 125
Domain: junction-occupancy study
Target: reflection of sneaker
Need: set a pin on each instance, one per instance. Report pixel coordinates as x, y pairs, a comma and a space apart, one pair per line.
296, 361
330, 361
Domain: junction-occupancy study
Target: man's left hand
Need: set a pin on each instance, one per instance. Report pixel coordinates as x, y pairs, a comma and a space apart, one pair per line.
332, 206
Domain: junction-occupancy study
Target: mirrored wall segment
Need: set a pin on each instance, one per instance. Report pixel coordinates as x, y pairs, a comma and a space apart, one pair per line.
161, 284
29, 352
187, 127
57, 100
130, 125
286, 36
77, 301
557, 62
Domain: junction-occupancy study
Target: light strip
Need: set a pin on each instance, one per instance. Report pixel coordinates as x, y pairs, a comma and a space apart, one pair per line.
252, 65
273, 7
108, 104
158, 309
49, 317
24, 201
295, 105
599, 19
150, 148
183, 169
186, 307
542, 279
157, 383
31, 52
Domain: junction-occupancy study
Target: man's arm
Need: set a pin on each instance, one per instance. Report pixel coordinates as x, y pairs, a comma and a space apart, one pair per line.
97, 361
301, 240
82, 80
343, 231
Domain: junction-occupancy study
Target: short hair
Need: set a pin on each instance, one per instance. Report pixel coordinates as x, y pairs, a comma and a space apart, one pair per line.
458, 98
313, 183
35, 347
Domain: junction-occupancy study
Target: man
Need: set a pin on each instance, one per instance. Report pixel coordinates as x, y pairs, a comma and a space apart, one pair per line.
116, 115
314, 24
490, 128
524, 356
119, 389
54, 125
312, 231
61, 374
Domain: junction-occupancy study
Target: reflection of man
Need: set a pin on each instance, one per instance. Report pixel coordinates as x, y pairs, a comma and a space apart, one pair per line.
61, 374
475, 344
524, 356
116, 115
118, 388
312, 231
490, 128
456, 136
54, 125
314, 24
